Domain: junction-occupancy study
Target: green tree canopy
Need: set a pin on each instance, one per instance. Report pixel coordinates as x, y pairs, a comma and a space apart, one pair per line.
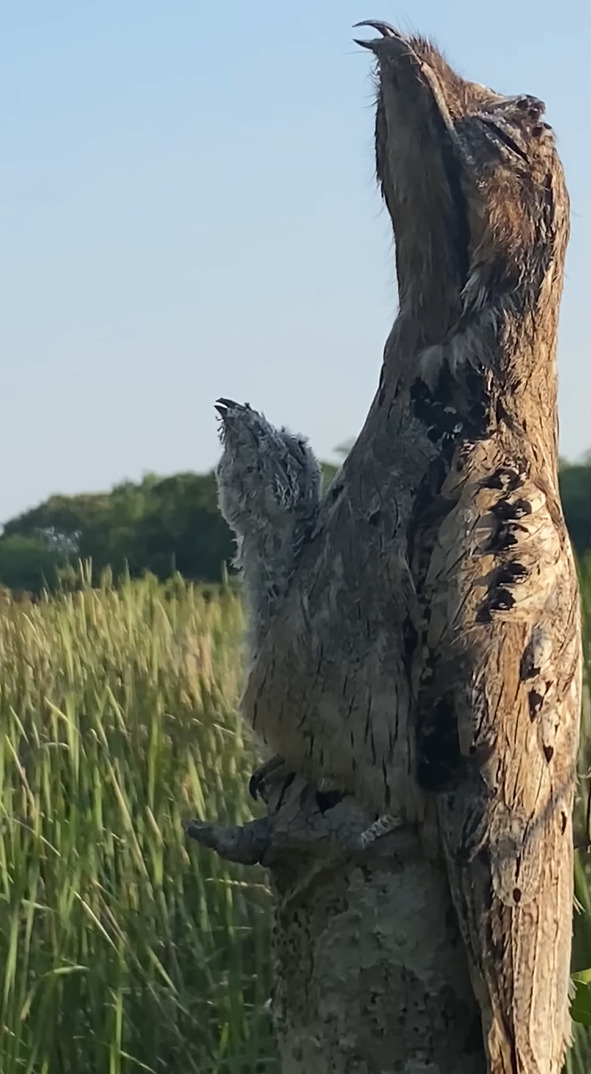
162, 524
157, 525
575, 491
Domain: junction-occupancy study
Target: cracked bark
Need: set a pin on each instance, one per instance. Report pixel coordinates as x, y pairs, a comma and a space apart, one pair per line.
426, 660
370, 972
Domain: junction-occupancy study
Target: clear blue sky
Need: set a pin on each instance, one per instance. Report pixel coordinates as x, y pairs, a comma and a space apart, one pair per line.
188, 210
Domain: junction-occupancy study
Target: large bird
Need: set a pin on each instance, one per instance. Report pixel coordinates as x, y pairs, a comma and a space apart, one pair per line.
498, 677
427, 653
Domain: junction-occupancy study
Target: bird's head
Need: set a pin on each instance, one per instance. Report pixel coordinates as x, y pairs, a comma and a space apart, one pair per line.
472, 183
264, 472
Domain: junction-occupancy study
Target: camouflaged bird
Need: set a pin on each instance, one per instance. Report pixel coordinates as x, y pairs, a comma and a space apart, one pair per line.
427, 657
499, 677
268, 482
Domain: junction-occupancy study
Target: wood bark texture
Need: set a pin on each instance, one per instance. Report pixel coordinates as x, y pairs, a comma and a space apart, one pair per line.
426, 661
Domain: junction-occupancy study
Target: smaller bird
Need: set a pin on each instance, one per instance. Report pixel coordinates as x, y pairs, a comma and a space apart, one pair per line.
269, 492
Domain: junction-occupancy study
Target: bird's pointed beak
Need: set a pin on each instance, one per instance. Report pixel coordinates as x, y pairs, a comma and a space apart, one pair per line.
383, 28
223, 405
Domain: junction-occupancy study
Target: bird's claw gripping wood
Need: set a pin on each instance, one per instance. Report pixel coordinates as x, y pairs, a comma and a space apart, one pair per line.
380, 827
271, 771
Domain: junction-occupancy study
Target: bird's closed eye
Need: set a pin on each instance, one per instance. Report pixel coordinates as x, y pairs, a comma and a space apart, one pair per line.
502, 136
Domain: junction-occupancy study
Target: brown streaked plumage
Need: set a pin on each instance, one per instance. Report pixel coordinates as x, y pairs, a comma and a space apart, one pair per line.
427, 653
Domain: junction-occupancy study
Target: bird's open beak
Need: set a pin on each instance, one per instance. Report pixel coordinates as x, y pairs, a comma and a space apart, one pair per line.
223, 405
383, 28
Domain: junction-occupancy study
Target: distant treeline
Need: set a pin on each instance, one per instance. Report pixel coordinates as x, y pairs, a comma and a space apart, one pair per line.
159, 525
163, 525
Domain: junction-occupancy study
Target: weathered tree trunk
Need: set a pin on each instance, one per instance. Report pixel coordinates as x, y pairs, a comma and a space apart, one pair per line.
370, 971
426, 660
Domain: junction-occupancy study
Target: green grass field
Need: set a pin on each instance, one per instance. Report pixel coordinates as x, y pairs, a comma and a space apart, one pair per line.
123, 949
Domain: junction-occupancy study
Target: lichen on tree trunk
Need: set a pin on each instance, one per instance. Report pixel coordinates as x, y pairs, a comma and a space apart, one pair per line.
370, 971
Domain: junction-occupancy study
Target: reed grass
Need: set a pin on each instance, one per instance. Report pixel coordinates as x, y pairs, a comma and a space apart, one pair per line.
122, 948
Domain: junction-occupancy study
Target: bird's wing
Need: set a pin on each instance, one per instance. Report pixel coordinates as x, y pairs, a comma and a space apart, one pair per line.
498, 730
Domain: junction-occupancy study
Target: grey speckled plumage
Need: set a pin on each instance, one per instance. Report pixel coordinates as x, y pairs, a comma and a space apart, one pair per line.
268, 490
